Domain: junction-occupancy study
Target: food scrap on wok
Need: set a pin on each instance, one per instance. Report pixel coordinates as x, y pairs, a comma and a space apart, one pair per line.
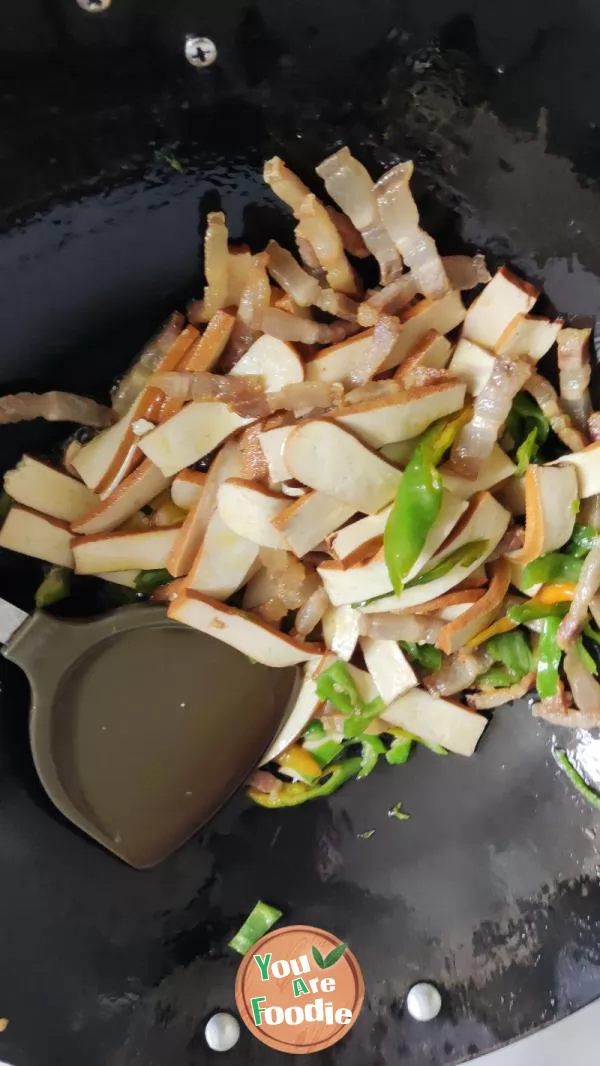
392, 495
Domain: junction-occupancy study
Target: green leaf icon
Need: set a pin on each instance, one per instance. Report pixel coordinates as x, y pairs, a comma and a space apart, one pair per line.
332, 958
316, 954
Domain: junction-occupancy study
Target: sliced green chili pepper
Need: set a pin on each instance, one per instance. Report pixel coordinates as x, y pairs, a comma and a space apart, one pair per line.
526, 452
323, 749
524, 415
419, 498
399, 751
401, 734
55, 587
497, 677
586, 658
148, 580
258, 922
551, 569
512, 649
530, 612
591, 632
171, 160
549, 656
315, 728
372, 748
337, 686
416, 507
462, 556
397, 812
581, 543
297, 792
425, 655
562, 760
357, 722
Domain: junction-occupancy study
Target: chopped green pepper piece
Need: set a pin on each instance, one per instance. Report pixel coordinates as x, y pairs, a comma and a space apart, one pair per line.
366, 835
259, 921
171, 160
401, 734
55, 587
586, 658
524, 416
323, 749
425, 655
549, 656
148, 580
530, 612
525, 452
462, 556
416, 507
337, 686
356, 723
591, 632
581, 543
372, 748
512, 649
297, 792
397, 812
399, 751
562, 760
497, 677
315, 728
551, 569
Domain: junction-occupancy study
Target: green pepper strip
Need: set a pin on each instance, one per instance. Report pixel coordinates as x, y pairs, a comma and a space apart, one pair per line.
581, 543
562, 760
497, 677
337, 686
530, 612
512, 649
315, 728
526, 452
372, 748
425, 655
401, 734
550, 569
416, 507
148, 580
525, 414
593, 634
399, 751
586, 658
419, 498
357, 722
297, 792
462, 556
549, 656
259, 921
324, 749
55, 587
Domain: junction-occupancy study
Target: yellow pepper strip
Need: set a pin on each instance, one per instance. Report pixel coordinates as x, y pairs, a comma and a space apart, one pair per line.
450, 432
300, 761
560, 593
503, 625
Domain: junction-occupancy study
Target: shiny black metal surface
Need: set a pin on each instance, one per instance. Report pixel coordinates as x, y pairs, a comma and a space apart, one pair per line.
491, 888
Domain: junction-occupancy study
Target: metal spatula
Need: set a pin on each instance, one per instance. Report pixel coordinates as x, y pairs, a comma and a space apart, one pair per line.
140, 728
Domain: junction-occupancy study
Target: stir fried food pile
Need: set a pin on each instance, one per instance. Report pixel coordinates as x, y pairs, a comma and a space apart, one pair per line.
375, 483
